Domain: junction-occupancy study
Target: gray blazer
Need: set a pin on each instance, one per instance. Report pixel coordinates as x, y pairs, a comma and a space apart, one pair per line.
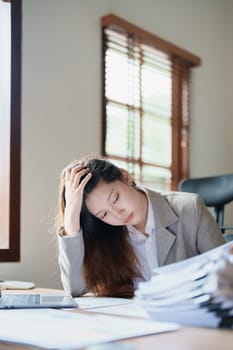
184, 228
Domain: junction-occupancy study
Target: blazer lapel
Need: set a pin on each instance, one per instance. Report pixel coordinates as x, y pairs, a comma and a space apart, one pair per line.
164, 217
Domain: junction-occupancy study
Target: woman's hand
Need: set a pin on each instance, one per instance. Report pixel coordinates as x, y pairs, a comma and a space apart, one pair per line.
74, 196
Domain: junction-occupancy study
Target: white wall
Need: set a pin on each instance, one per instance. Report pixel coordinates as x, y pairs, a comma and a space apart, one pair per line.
61, 101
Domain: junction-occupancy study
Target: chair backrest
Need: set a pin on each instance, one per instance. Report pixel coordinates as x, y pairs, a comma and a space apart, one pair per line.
216, 191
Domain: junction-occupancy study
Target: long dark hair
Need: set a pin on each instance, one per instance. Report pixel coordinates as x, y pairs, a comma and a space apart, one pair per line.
110, 263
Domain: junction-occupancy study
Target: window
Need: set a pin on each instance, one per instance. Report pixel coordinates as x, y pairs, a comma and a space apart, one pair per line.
145, 104
10, 66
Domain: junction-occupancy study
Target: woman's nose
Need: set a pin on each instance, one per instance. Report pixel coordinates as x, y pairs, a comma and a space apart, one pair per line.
119, 213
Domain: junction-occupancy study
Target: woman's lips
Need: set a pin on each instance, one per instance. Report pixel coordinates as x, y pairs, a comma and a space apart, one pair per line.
129, 218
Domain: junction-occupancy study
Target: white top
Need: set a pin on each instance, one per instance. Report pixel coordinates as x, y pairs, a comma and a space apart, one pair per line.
145, 247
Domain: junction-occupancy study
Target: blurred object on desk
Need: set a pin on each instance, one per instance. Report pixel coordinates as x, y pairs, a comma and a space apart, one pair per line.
16, 285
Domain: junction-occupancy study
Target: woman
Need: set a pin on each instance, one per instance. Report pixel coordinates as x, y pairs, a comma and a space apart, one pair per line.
113, 233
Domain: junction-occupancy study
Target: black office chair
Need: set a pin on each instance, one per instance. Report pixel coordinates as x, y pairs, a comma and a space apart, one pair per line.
216, 191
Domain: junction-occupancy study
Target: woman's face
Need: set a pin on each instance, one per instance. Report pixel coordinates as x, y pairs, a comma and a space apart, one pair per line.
117, 203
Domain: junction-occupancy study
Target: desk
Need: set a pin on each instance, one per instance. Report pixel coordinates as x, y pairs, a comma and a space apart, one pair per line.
186, 338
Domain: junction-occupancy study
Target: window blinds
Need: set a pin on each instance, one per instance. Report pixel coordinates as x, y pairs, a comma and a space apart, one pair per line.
145, 103
138, 104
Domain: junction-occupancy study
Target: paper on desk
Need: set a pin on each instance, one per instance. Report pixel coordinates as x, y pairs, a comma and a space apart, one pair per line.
113, 306
91, 302
129, 310
189, 292
211, 255
56, 329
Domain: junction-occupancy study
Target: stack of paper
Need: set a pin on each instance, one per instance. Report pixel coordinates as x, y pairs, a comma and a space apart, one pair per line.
189, 292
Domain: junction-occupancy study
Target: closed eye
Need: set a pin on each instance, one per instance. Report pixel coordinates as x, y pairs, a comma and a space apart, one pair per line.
103, 215
115, 199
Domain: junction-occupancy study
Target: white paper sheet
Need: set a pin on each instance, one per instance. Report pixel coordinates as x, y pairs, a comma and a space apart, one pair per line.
56, 329
129, 310
91, 302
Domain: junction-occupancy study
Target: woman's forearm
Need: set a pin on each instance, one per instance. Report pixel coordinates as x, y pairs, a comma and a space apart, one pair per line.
71, 255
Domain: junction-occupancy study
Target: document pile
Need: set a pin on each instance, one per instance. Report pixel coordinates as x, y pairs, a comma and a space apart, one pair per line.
195, 292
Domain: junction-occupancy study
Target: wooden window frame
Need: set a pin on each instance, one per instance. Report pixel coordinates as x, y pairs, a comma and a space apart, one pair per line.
182, 61
13, 252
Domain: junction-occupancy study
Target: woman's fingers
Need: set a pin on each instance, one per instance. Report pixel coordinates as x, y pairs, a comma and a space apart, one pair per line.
75, 170
85, 180
70, 173
77, 181
73, 176
67, 174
